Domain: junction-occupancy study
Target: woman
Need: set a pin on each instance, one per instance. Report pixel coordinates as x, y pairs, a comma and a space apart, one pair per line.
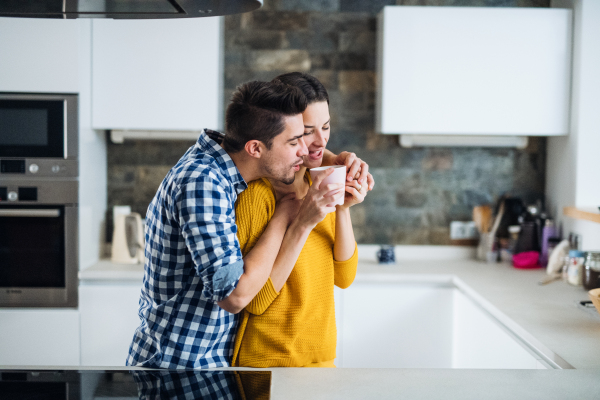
291, 322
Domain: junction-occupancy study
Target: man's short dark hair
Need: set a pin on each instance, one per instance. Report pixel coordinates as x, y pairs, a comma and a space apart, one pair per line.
257, 111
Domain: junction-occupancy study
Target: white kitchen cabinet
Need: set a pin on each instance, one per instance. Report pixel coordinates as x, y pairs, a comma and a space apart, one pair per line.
39, 55
478, 342
383, 324
38, 337
391, 325
474, 71
157, 74
109, 317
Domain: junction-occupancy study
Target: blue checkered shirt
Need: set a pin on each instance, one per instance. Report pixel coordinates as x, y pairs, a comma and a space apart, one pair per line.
193, 260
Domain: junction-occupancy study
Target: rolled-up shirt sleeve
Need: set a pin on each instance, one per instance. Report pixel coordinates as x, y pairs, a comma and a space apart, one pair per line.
207, 219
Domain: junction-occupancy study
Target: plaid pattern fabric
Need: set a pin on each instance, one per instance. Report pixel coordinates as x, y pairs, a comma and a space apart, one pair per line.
159, 385
193, 260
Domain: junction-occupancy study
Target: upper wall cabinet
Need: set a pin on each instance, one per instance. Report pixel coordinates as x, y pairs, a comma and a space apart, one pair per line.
157, 74
38, 55
474, 71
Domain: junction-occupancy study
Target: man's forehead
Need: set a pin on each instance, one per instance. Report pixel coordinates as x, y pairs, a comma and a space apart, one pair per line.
294, 126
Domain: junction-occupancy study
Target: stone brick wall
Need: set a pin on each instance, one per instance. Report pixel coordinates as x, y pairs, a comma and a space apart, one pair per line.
418, 191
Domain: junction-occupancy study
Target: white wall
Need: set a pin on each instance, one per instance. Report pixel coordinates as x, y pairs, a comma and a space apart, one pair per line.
573, 163
92, 156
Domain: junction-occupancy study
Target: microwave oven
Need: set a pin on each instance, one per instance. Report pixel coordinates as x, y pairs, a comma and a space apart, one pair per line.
38, 135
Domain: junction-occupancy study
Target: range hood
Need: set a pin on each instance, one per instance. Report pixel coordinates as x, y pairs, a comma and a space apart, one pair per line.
125, 9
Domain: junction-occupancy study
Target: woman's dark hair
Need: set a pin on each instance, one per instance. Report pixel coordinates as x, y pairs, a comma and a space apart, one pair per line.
308, 84
257, 112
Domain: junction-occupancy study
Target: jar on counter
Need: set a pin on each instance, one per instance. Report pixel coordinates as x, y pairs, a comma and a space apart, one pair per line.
575, 267
591, 270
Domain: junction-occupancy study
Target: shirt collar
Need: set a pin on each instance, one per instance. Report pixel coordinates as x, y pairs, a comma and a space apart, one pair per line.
210, 147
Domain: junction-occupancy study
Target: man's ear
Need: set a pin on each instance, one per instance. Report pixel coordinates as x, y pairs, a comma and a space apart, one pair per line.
254, 148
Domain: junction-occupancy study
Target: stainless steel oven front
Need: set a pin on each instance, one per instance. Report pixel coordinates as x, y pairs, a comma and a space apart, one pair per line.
38, 135
38, 243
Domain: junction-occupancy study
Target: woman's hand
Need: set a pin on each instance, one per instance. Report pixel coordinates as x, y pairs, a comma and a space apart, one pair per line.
357, 169
287, 208
355, 194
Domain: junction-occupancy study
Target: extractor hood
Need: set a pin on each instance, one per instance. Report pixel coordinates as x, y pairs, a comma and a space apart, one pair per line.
125, 9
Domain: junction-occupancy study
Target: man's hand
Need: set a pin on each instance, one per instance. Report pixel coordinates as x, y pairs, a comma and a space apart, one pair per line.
287, 208
357, 168
318, 201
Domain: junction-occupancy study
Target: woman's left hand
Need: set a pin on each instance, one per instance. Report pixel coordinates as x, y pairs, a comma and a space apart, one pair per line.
355, 194
356, 169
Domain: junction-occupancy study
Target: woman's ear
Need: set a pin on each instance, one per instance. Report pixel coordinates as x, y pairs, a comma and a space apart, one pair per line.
254, 148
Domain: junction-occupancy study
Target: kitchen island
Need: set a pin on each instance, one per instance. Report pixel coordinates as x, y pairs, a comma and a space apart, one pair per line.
546, 317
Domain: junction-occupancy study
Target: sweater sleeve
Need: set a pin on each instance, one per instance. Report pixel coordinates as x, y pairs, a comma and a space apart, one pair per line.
345, 271
263, 299
254, 209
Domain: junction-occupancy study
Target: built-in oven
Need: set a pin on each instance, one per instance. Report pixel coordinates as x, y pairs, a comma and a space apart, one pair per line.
38, 135
38, 243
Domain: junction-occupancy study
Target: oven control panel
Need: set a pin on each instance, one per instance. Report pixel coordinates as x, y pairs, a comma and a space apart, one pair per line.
19, 194
38, 167
58, 192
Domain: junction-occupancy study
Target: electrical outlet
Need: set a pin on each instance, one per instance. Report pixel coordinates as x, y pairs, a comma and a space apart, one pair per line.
460, 230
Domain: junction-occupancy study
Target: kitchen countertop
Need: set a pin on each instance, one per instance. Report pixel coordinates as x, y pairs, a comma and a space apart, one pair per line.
548, 315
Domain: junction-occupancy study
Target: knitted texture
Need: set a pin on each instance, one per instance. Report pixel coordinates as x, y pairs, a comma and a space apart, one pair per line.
296, 326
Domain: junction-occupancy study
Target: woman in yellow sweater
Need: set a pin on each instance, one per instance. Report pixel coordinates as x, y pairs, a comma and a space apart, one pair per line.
291, 322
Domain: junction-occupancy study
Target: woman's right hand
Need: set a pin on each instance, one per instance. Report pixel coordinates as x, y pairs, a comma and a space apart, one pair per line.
319, 200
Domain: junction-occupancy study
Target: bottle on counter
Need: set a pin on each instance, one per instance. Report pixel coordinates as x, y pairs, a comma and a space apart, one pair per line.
575, 267
548, 231
513, 237
591, 271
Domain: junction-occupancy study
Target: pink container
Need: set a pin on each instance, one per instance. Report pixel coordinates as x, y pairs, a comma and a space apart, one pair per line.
337, 176
527, 260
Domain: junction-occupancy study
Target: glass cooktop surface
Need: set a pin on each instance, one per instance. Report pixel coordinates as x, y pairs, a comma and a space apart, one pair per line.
134, 384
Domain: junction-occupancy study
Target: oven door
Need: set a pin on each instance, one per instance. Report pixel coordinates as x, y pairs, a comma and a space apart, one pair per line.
38, 126
38, 251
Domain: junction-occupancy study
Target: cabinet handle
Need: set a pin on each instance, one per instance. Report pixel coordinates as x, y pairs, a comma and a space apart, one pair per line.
30, 213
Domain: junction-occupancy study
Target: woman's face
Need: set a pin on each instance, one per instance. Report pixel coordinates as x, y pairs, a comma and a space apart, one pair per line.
316, 132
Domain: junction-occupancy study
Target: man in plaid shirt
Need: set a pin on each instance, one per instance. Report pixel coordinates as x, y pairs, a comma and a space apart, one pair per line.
195, 279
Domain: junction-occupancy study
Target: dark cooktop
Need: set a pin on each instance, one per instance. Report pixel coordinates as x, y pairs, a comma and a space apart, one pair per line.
134, 384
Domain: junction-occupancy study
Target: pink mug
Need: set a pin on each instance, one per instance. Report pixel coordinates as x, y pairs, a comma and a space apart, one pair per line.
337, 176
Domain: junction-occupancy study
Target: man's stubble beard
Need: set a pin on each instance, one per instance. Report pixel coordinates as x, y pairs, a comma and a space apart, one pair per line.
272, 173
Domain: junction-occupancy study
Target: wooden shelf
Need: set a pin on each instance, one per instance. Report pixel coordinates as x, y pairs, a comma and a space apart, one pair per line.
588, 214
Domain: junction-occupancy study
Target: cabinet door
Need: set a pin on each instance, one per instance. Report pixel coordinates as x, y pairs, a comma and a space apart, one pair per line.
109, 317
479, 342
474, 71
157, 74
35, 337
392, 325
38, 55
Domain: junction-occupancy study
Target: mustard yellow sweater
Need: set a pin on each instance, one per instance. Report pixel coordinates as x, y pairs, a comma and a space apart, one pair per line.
295, 326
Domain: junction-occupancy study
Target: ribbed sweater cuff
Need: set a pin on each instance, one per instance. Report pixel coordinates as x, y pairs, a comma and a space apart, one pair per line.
352, 260
345, 271
263, 299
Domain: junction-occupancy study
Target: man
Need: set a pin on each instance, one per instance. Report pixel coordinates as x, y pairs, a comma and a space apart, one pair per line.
195, 279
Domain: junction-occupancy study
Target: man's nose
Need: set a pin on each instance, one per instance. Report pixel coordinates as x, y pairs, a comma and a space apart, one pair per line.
302, 150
